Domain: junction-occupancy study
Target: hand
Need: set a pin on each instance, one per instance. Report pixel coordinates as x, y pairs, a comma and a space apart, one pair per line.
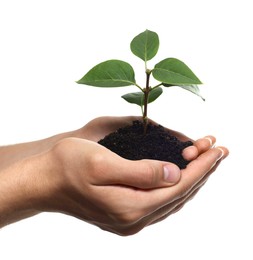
84, 179
93, 184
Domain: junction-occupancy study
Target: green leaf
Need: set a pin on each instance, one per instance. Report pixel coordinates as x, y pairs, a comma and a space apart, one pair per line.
134, 98
111, 73
175, 72
145, 45
192, 88
154, 94
138, 97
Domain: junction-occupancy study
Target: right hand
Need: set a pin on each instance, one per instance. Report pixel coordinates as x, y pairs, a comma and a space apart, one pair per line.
91, 183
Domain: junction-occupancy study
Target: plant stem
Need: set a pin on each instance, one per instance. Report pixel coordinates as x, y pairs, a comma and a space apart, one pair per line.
146, 94
157, 86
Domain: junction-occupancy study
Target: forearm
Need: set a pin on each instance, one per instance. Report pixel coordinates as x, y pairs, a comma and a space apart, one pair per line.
13, 153
23, 187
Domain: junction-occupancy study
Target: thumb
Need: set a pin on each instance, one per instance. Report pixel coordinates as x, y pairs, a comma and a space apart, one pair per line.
147, 174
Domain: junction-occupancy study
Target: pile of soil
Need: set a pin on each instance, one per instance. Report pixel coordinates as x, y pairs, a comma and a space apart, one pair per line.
131, 143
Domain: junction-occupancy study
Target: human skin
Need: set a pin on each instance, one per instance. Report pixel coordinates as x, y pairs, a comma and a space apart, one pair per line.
72, 174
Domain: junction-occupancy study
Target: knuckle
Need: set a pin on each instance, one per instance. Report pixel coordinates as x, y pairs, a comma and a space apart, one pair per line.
60, 149
98, 165
128, 218
151, 175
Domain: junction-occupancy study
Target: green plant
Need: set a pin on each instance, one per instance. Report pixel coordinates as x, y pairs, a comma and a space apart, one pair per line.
168, 72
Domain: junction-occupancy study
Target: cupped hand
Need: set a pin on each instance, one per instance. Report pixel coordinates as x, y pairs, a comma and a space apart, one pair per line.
71, 173
119, 195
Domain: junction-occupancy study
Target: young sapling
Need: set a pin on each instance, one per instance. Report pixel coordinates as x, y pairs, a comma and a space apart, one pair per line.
168, 73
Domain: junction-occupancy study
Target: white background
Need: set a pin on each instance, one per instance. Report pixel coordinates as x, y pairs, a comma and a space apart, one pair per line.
45, 46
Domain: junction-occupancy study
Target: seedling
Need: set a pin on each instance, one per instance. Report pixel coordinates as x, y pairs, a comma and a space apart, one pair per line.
168, 72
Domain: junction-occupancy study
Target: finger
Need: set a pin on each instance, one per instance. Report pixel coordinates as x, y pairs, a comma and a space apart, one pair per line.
201, 145
177, 205
148, 174
164, 212
199, 167
163, 208
143, 174
190, 153
172, 206
190, 177
194, 190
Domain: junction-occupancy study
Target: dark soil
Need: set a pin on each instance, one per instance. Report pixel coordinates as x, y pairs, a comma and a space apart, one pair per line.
130, 142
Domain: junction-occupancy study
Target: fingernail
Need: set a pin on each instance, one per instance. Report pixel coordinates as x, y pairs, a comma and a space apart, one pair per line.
171, 173
210, 140
221, 154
